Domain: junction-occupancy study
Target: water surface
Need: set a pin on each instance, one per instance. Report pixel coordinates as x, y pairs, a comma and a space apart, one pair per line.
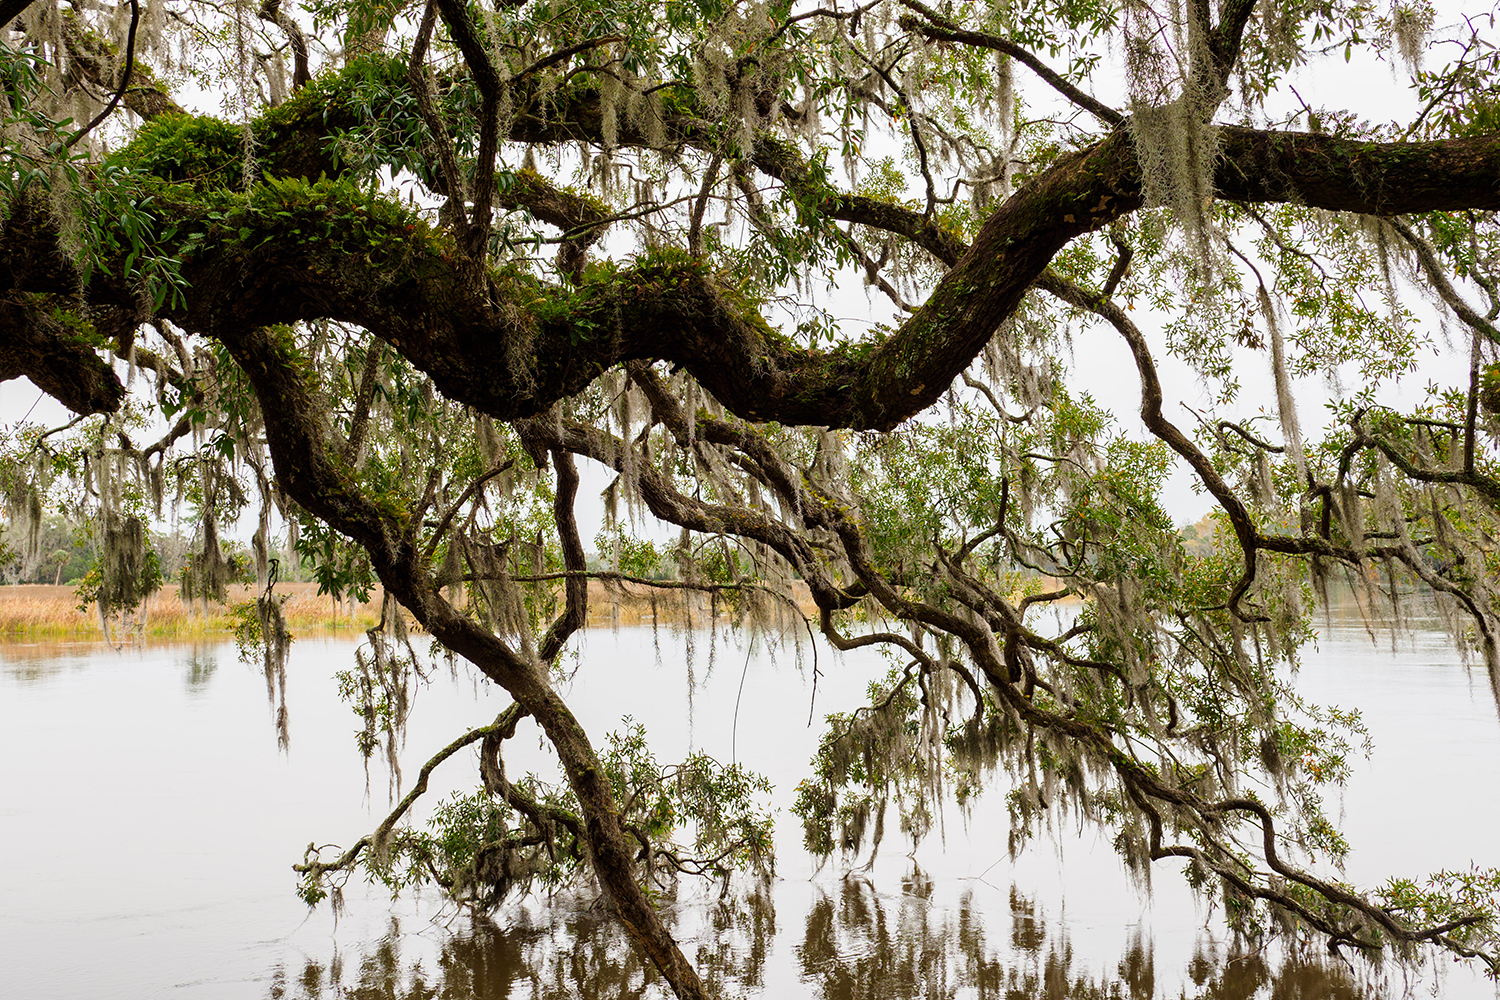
150, 819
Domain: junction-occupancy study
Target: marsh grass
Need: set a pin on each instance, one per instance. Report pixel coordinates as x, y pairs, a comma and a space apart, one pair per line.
42, 611
39, 610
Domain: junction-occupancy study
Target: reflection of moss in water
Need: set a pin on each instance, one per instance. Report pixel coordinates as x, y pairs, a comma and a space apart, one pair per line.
743, 927
866, 944
857, 942
483, 962
1295, 977
863, 943
198, 669
563, 949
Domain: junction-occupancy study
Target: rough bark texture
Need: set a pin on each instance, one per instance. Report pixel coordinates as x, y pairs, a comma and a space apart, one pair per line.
61, 363
491, 352
491, 349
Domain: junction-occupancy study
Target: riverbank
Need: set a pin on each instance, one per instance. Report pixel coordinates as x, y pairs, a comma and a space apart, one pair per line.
39, 610
43, 611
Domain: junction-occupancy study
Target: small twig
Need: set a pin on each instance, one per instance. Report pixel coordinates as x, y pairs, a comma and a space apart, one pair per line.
941, 29
563, 54
442, 524
135, 20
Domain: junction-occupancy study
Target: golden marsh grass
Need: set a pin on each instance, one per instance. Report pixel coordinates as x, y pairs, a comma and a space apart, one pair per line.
40, 610
36, 611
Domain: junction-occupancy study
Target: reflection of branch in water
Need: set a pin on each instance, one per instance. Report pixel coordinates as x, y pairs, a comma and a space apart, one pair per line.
858, 941
199, 667
868, 943
738, 940
564, 947
1301, 975
865, 942
482, 962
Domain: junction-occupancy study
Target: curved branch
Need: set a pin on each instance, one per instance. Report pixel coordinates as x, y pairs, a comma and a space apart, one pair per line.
576, 609
939, 28
270, 10
507, 719
307, 472
36, 345
1155, 421
114, 101
456, 328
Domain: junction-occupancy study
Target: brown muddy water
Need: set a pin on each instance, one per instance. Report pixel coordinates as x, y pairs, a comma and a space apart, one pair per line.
149, 821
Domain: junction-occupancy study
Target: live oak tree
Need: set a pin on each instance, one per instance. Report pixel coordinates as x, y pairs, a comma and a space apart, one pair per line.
426, 258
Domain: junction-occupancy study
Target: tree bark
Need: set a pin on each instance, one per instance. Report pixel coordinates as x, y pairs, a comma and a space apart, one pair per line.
488, 346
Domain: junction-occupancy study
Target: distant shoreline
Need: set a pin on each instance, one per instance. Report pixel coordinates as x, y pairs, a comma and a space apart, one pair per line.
33, 610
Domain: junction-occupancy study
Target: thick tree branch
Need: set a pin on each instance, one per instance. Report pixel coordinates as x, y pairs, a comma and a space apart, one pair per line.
583, 220
270, 10
96, 61
483, 350
12, 9
34, 344
1227, 37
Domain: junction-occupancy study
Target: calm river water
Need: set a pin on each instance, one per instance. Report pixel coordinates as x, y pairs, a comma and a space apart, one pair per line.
149, 820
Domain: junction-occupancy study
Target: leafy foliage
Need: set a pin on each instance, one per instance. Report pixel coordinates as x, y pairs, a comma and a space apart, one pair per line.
482, 846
